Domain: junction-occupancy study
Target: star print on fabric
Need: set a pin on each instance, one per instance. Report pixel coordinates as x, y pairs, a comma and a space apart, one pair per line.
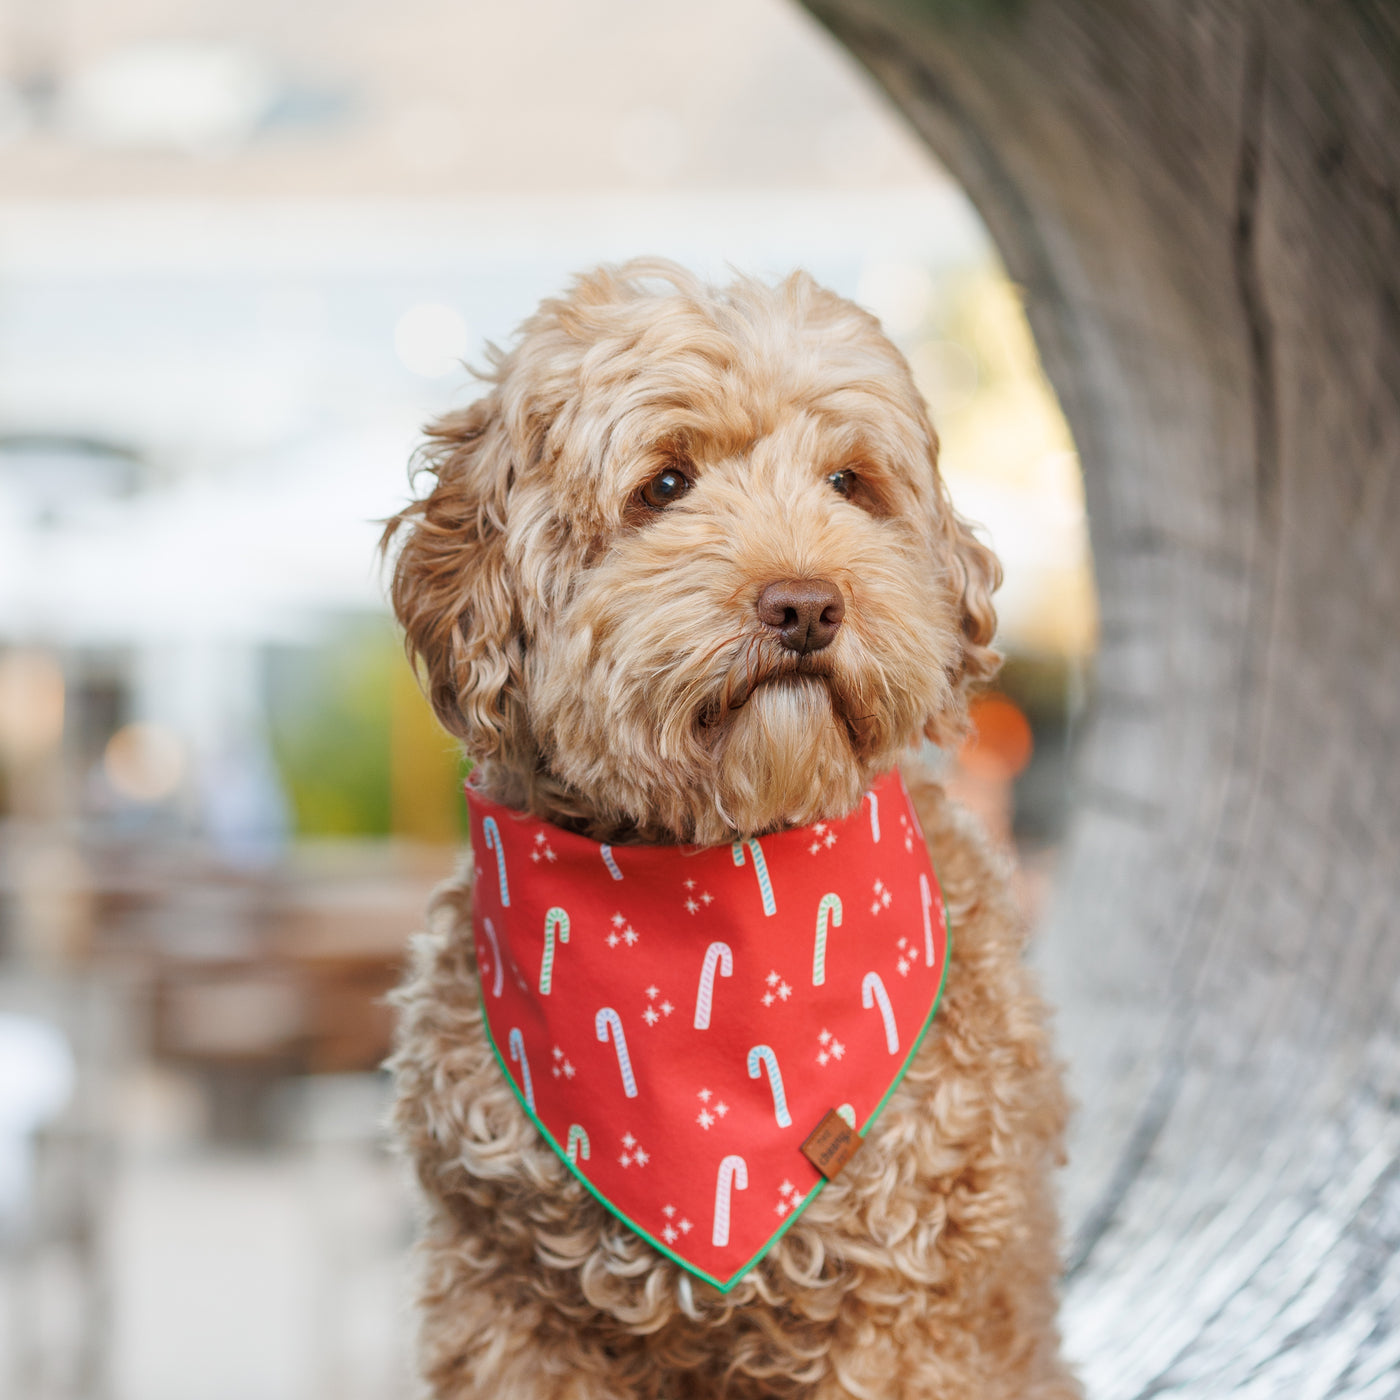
543, 850
903, 966
651, 1015
634, 1153
789, 1198
691, 907
704, 1096
832, 1049
562, 1067
706, 1119
882, 897
689, 884
672, 1232
653, 992
613, 940
825, 1036
666, 1008
837, 1049
721, 1108
706, 897
617, 920
779, 989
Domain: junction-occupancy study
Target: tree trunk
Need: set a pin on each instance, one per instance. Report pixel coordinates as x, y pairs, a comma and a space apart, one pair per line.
1201, 199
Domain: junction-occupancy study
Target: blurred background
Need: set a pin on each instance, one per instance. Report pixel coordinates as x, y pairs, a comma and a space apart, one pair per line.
244, 251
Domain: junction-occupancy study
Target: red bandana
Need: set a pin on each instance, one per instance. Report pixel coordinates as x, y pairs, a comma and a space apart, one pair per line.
677, 1021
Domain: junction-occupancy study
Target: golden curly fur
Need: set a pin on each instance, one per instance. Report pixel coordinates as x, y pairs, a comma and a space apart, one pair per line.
603, 663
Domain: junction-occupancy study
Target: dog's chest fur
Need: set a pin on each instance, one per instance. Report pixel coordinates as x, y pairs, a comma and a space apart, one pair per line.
926, 1268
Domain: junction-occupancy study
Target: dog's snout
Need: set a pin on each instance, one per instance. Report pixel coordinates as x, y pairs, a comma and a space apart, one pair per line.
804, 612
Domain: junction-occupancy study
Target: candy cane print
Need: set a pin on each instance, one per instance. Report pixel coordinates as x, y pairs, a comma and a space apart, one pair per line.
608, 860
495, 956
733, 1176
763, 1055
517, 1053
830, 905
717, 957
556, 919
493, 843
578, 1143
765, 886
847, 1115
871, 991
926, 896
608, 1017
874, 817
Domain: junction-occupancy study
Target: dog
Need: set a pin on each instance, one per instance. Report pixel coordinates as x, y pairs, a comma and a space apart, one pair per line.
687, 576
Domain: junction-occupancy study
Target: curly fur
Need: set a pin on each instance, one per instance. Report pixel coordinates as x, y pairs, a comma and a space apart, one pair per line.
603, 664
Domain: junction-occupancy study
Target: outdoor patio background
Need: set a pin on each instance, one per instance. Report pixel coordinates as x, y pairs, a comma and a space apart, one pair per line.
243, 249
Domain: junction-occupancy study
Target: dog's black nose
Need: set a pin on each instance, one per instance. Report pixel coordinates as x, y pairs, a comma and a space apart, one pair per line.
804, 612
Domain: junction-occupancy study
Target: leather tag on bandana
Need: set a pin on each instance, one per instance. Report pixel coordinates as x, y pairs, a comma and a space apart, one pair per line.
833, 1142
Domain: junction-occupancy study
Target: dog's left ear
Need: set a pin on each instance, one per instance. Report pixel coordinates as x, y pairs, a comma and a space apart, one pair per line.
974, 574
451, 587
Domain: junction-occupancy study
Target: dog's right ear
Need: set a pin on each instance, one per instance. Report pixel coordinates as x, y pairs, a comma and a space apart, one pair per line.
451, 589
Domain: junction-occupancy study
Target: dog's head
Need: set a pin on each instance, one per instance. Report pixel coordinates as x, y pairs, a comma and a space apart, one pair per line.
688, 570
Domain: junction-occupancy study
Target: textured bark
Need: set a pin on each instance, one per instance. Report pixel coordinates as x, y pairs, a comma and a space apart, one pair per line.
1202, 201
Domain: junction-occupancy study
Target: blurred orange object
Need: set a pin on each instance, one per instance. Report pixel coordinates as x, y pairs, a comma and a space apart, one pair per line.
1000, 744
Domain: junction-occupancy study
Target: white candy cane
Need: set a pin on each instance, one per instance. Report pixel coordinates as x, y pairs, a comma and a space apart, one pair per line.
874, 817
733, 1176
871, 991
610, 862
493, 843
717, 957
763, 1055
556, 919
578, 1143
926, 895
608, 1017
517, 1053
760, 866
847, 1115
495, 956
830, 906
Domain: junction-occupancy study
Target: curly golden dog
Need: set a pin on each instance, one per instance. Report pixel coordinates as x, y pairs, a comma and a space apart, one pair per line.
687, 573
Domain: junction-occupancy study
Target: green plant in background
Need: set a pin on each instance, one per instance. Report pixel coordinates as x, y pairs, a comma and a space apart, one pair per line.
358, 749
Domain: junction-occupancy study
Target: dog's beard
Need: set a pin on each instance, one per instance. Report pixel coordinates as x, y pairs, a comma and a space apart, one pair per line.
646, 729
785, 757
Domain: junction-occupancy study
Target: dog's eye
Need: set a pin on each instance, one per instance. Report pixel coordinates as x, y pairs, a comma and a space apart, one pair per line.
665, 488
843, 482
